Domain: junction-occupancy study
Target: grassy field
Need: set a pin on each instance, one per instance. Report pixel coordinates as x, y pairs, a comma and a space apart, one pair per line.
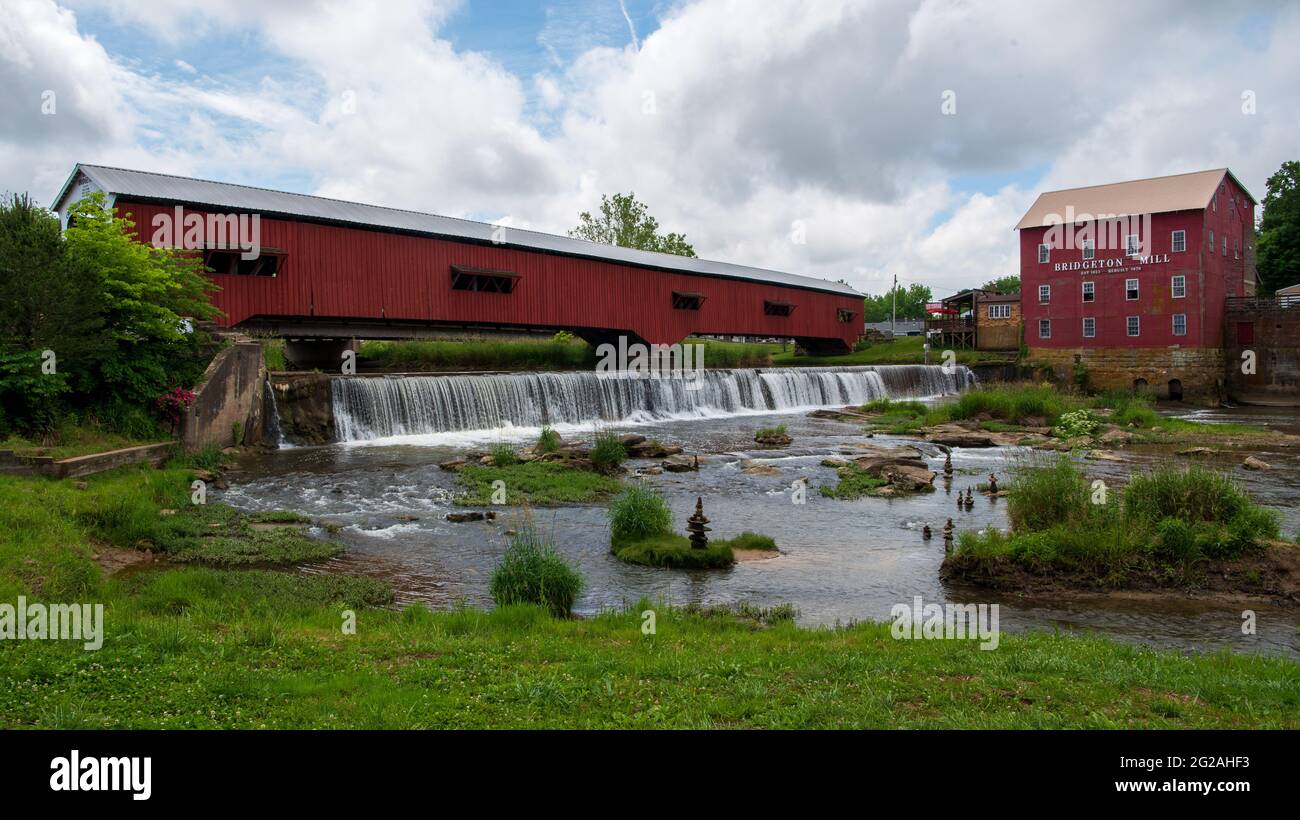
535, 483
207, 648
903, 350
73, 440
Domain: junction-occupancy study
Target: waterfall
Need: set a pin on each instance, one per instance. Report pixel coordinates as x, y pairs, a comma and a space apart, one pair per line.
273, 434
379, 407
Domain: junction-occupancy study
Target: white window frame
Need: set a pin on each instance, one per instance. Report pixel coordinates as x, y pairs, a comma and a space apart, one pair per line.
1044, 294
1178, 242
1000, 311
1211, 241
1089, 290
1137, 288
1178, 287
1044, 254
1089, 249
1133, 325
1045, 324
1086, 321
1132, 247
1176, 317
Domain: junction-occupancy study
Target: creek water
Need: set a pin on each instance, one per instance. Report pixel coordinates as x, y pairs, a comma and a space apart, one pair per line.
841, 561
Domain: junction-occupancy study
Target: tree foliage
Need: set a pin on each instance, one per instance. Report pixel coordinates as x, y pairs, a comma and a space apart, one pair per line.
1003, 284
622, 220
911, 304
1278, 236
91, 320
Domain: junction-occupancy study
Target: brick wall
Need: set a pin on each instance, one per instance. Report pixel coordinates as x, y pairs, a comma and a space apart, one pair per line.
1200, 370
1271, 333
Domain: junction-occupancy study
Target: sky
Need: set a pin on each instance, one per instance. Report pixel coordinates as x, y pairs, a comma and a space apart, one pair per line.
853, 140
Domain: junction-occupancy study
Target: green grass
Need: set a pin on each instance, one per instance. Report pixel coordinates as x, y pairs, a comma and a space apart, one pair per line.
542, 354
636, 514
673, 551
273, 354
854, 482
607, 451
732, 355
903, 350
205, 648
753, 541
73, 439
548, 441
536, 484
1163, 522
532, 572
768, 433
504, 455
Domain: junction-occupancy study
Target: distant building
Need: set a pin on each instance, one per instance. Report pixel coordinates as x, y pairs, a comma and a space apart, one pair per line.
903, 327
1132, 279
978, 319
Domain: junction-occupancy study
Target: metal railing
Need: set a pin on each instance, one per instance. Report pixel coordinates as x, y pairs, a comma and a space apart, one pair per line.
1259, 304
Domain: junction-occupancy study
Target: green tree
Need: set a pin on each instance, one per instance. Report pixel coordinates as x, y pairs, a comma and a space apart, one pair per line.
911, 304
49, 317
1277, 239
147, 294
622, 220
1003, 284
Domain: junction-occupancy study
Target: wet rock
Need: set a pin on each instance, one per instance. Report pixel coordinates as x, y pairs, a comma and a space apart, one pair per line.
455, 465
1252, 463
681, 464
1198, 451
652, 449
908, 477
1115, 438
650, 471
754, 468
953, 435
772, 438
1034, 421
834, 463
464, 517
1103, 455
408, 518
631, 440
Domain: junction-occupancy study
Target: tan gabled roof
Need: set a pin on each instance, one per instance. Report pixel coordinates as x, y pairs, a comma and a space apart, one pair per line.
1181, 192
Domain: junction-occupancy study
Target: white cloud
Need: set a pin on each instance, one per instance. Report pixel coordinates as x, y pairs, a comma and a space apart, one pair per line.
733, 119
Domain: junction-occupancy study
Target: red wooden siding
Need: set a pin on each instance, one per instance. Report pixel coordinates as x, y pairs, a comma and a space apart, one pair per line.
335, 272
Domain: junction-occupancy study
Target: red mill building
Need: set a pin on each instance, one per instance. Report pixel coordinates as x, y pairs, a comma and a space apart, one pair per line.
1130, 279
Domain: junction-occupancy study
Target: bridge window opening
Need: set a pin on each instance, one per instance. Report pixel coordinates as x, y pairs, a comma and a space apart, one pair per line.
231, 263
687, 301
480, 280
845, 316
777, 308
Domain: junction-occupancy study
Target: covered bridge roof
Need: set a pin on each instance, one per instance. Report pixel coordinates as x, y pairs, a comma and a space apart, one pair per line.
151, 187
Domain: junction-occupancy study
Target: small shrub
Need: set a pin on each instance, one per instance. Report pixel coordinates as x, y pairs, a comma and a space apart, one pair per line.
503, 455
1047, 493
548, 441
638, 513
532, 572
608, 452
1076, 423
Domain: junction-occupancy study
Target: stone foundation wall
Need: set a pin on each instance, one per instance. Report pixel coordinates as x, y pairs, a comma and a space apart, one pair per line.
1117, 368
228, 401
306, 407
1270, 334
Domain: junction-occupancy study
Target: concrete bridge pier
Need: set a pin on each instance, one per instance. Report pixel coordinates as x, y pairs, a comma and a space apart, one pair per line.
325, 355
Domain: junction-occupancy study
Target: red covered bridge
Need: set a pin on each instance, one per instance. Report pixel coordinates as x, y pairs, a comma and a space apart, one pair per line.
333, 269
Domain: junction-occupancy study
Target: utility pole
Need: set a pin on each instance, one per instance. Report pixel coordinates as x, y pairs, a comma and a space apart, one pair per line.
893, 316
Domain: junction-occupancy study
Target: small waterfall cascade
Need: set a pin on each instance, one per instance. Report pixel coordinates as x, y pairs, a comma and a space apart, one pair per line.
377, 407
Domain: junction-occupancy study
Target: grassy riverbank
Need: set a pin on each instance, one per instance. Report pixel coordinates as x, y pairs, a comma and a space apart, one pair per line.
207, 648
1179, 527
1024, 407
903, 350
